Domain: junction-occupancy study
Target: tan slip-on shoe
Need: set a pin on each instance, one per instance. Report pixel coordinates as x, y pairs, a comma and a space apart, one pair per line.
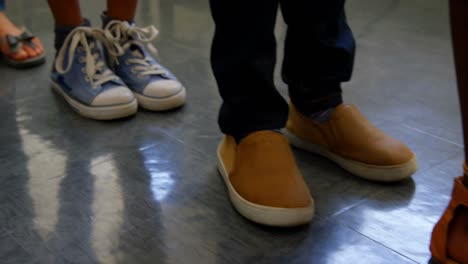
351, 141
263, 180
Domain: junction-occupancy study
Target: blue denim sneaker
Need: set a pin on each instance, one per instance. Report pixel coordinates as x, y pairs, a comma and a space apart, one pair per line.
154, 86
82, 77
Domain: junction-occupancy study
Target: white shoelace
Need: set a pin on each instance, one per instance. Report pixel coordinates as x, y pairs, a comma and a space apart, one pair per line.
128, 35
77, 39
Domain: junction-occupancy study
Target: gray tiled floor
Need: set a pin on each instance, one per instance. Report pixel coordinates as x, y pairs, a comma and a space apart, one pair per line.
146, 189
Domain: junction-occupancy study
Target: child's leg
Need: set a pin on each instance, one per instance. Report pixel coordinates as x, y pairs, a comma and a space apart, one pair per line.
458, 234
450, 235
80, 73
66, 13
121, 9
67, 16
460, 49
154, 86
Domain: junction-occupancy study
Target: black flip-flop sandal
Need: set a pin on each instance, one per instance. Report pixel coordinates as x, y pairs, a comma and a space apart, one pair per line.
14, 43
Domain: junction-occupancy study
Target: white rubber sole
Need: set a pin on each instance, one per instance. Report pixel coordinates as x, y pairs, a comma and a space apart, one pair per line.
161, 104
265, 215
363, 170
98, 112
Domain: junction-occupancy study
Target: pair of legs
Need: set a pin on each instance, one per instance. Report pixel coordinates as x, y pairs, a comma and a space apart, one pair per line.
67, 13
318, 56
450, 235
19, 48
256, 162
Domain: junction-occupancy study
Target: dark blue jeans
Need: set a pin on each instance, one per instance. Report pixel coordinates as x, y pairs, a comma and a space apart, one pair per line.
318, 56
2, 5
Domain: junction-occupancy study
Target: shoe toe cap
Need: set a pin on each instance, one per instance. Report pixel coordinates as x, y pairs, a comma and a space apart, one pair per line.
115, 96
266, 173
391, 152
162, 88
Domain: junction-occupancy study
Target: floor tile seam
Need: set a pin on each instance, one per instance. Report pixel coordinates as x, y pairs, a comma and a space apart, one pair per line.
433, 136
340, 222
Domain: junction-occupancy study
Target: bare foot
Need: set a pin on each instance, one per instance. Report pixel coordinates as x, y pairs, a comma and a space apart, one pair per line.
25, 51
